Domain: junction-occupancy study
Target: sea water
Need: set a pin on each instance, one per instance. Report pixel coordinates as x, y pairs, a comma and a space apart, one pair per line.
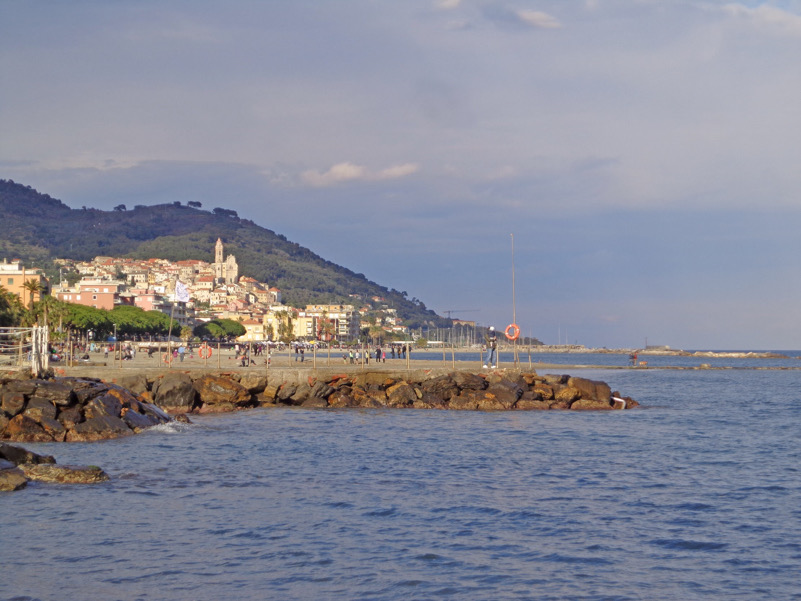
695, 495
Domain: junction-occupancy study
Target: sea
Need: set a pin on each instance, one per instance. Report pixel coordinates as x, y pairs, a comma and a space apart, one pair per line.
696, 494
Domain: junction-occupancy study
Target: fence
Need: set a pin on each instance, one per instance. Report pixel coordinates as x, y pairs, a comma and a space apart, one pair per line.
25, 347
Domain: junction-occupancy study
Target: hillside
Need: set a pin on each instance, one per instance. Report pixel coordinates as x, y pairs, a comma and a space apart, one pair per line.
38, 228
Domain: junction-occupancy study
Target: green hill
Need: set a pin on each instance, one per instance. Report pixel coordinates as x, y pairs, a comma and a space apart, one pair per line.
38, 229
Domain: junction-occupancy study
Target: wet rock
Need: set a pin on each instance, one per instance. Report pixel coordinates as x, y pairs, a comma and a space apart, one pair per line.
17, 455
138, 421
590, 405
101, 427
314, 403
12, 479
65, 474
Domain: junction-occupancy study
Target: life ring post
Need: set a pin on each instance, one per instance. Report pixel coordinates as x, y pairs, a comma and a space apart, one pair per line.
512, 331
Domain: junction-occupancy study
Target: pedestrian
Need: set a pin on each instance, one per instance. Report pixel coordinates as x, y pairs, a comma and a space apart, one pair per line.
302, 354
181, 353
491, 339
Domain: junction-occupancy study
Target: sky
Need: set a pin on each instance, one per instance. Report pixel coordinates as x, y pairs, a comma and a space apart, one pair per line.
604, 172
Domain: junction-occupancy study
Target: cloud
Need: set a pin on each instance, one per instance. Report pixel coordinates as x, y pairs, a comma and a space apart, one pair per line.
539, 19
767, 15
448, 4
349, 172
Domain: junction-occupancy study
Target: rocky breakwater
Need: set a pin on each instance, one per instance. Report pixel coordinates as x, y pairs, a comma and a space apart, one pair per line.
19, 466
71, 409
503, 390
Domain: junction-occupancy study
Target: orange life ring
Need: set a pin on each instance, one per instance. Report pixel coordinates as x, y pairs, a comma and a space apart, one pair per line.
515, 331
204, 352
167, 358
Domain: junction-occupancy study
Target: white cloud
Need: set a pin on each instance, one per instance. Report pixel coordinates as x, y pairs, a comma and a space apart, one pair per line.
767, 15
349, 172
536, 18
448, 4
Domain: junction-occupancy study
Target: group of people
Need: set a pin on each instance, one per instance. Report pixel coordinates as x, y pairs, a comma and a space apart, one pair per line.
379, 355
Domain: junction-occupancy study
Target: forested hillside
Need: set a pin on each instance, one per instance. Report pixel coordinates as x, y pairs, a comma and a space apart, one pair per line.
38, 228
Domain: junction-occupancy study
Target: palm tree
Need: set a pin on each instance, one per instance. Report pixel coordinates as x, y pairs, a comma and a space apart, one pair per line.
33, 287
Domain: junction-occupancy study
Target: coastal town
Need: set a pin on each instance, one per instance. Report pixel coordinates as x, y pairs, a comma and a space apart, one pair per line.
195, 291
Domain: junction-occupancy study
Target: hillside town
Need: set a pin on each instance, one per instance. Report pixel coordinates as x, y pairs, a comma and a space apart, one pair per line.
195, 291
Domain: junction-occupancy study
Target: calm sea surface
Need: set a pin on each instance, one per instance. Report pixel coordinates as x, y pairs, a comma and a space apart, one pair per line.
697, 495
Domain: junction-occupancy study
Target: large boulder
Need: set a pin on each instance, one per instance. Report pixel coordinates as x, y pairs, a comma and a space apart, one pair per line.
402, 394
101, 427
22, 428
216, 390
174, 393
591, 389
58, 392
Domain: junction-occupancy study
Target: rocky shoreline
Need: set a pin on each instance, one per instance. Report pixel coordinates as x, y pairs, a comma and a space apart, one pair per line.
87, 409
73, 409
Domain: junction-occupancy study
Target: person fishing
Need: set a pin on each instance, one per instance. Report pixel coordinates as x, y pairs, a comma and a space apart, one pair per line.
491, 340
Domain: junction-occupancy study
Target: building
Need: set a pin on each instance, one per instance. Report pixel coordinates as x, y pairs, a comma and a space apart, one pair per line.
28, 284
226, 271
331, 322
100, 294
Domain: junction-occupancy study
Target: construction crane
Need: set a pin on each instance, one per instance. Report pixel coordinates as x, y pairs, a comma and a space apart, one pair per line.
449, 312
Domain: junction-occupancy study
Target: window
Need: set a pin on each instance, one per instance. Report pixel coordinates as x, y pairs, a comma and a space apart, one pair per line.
94, 297
10, 281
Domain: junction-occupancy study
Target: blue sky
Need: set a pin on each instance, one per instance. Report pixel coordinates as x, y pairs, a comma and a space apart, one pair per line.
645, 154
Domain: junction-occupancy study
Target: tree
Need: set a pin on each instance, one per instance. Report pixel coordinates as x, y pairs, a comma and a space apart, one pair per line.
11, 308
120, 208
194, 204
33, 287
286, 330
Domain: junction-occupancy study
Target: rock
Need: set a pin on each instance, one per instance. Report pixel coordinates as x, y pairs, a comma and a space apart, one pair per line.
285, 392
321, 389
107, 405
302, 393
137, 383
591, 389
401, 394
17, 455
590, 405
532, 405
12, 403
22, 428
253, 383
70, 417
498, 398
468, 381
64, 473
175, 393
60, 393
137, 421
567, 395
12, 479
442, 387
98, 428
39, 407
467, 400
314, 402
341, 399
